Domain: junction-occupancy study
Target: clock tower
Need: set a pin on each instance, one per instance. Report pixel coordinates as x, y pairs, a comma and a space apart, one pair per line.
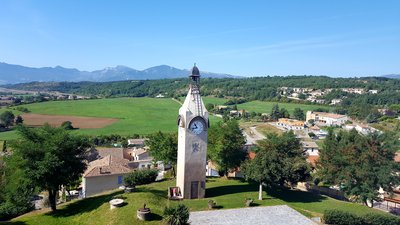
192, 142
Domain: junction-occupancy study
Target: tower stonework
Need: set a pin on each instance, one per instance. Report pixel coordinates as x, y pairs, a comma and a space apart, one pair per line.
193, 127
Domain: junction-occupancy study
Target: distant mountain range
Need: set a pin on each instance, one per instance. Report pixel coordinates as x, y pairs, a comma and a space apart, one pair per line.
393, 76
12, 74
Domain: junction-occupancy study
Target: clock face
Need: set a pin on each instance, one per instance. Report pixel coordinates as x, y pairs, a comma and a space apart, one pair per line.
196, 126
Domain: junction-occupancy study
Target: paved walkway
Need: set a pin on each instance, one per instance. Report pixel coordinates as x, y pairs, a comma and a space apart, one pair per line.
176, 100
389, 207
253, 137
267, 215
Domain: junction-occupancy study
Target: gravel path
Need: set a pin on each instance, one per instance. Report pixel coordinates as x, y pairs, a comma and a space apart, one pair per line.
268, 215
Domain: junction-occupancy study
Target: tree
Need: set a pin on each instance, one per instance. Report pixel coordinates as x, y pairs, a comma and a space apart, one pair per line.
298, 114
360, 165
235, 107
49, 158
279, 160
164, 147
225, 146
275, 113
209, 106
7, 118
373, 117
283, 113
19, 120
302, 96
67, 125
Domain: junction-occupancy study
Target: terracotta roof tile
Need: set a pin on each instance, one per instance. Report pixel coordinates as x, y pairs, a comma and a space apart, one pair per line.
108, 165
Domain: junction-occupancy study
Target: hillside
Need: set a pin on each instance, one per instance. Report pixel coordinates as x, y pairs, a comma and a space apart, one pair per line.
392, 76
11, 74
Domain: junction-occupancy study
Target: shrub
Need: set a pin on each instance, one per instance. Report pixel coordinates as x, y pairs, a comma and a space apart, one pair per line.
337, 217
176, 215
380, 219
67, 125
139, 177
22, 109
9, 210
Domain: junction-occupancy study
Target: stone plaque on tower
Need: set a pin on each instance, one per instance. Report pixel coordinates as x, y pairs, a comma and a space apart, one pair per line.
193, 127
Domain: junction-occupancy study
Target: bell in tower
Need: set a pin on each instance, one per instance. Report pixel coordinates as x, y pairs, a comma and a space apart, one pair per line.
195, 78
192, 141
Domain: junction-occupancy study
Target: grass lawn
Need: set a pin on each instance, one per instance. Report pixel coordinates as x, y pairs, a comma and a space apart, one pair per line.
214, 100
136, 115
227, 194
266, 107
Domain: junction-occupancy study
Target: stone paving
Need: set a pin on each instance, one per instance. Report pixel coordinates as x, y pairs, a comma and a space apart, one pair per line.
267, 215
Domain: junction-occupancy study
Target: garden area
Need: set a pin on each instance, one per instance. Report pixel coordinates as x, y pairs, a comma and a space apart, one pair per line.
226, 193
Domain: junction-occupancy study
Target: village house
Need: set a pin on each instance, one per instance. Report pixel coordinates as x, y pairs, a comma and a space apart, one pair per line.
290, 124
146, 163
361, 128
211, 169
221, 107
110, 165
310, 148
115, 152
237, 113
316, 100
134, 154
336, 101
326, 119
104, 174
317, 131
354, 90
373, 91
138, 142
316, 93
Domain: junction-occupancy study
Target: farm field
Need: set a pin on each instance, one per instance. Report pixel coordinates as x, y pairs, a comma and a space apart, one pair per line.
227, 193
81, 122
128, 115
131, 115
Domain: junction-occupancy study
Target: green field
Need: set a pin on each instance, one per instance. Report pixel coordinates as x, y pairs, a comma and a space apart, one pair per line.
136, 115
227, 194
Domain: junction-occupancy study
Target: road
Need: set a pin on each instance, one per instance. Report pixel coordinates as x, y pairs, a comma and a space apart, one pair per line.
254, 136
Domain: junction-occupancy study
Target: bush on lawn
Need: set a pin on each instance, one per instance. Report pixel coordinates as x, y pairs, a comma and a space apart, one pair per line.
139, 177
337, 217
9, 210
176, 215
379, 219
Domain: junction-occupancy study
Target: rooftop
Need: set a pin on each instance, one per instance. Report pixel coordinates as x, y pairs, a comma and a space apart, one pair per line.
137, 141
108, 165
330, 115
309, 144
115, 152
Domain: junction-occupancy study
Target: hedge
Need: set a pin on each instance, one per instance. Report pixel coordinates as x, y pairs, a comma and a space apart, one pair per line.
139, 177
338, 217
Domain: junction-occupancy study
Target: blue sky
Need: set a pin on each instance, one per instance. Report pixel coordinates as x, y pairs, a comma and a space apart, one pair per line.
250, 38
